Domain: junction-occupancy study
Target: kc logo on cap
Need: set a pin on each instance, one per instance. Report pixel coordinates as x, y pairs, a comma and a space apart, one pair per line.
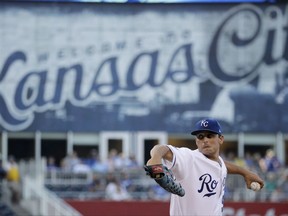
204, 123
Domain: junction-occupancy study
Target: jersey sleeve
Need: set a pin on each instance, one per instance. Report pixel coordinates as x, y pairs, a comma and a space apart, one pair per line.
182, 160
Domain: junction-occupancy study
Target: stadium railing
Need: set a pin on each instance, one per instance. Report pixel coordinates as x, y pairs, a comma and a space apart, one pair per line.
37, 199
69, 185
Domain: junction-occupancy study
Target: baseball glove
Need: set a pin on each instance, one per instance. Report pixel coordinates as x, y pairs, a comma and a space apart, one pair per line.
164, 177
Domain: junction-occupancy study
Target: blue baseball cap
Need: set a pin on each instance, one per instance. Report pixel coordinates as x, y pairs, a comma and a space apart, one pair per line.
208, 124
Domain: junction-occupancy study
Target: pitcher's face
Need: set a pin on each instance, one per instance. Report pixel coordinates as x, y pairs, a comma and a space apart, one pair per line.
209, 144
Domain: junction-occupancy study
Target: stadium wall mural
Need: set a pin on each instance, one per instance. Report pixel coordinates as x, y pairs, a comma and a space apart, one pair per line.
91, 67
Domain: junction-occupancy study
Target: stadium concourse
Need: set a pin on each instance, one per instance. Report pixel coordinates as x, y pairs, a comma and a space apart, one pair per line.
90, 178
121, 179
92, 185
87, 178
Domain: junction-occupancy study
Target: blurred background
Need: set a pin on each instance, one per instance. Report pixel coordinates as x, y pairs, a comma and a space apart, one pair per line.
87, 88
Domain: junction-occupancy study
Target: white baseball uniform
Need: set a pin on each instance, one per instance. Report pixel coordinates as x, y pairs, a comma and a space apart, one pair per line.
203, 180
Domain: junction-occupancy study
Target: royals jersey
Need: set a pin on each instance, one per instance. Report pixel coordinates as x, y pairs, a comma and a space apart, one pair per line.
203, 180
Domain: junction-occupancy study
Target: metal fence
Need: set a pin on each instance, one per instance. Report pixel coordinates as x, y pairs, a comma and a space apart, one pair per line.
93, 185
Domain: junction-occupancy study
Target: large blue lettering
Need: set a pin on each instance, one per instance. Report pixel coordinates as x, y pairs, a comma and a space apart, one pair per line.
31, 91
214, 63
106, 88
185, 74
265, 55
26, 96
6, 113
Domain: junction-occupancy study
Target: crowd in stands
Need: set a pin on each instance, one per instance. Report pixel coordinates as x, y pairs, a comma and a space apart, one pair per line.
113, 177
122, 178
